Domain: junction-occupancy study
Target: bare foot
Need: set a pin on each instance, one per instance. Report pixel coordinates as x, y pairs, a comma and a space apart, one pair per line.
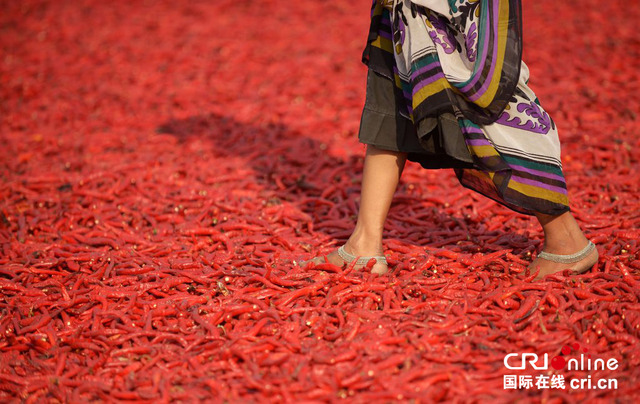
563, 237
335, 259
548, 267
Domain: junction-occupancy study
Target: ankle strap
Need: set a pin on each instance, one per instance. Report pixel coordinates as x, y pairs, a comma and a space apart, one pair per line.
570, 258
348, 258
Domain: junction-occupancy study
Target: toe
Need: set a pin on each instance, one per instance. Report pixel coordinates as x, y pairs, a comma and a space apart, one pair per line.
315, 260
379, 269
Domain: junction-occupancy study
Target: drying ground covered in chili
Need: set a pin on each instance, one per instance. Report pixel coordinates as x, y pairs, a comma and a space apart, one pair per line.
163, 164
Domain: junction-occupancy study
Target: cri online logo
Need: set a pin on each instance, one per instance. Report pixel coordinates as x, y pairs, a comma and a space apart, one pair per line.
559, 362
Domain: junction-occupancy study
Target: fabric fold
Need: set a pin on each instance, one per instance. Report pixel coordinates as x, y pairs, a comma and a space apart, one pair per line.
459, 62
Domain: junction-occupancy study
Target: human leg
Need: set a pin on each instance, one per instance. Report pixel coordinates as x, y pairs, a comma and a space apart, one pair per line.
563, 236
382, 170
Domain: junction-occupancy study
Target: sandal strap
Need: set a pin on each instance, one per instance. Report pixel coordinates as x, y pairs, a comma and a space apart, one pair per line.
349, 258
570, 258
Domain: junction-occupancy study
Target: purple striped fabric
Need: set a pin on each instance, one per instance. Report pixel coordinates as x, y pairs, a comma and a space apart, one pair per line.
539, 184
537, 172
428, 81
476, 75
471, 129
385, 35
424, 69
477, 142
487, 81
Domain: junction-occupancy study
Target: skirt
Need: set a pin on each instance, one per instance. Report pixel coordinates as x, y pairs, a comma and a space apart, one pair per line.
501, 144
442, 144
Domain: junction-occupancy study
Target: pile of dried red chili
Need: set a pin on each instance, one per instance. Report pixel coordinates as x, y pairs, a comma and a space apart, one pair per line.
164, 164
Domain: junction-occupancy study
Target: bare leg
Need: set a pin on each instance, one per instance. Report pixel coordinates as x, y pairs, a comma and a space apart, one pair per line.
562, 236
382, 170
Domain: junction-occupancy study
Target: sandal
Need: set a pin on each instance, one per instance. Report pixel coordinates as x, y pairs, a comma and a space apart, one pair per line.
349, 258
571, 259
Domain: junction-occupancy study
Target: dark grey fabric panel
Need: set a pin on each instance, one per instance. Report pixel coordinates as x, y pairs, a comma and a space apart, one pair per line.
435, 143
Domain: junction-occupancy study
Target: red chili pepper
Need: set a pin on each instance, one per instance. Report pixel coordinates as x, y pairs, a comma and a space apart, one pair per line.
626, 274
153, 261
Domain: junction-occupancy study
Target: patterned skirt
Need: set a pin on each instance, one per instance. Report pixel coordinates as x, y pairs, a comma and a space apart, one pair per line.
447, 85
